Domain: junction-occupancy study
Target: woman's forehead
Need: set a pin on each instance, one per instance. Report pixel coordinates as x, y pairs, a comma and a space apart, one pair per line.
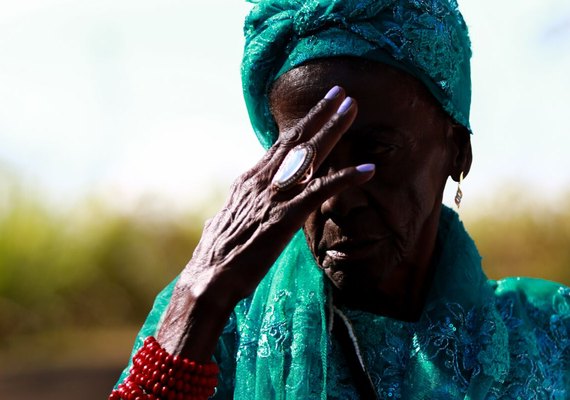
370, 83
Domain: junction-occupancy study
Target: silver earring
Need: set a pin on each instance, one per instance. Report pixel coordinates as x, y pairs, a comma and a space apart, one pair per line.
459, 193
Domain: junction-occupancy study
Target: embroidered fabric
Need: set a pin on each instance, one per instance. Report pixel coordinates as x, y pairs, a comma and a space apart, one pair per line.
426, 38
395, 351
477, 339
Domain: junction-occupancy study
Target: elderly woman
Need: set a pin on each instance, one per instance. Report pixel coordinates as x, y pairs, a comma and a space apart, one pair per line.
334, 271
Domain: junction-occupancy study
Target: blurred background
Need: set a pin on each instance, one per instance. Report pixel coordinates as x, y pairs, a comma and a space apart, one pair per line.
122, 125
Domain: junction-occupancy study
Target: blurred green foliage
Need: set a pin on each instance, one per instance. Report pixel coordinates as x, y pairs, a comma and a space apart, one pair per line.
90, 266
520, 235
95, 266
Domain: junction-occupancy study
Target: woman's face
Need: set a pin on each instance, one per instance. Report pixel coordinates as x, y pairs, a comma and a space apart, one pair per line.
376, 241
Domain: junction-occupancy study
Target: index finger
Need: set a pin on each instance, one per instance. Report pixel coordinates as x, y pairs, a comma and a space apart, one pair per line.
304, 129
329, 135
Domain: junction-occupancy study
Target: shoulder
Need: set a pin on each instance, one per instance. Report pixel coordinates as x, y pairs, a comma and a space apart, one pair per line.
534, 305
534, 297
536, 314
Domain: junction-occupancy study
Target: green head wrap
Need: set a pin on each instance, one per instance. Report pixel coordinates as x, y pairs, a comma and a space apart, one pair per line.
426, 38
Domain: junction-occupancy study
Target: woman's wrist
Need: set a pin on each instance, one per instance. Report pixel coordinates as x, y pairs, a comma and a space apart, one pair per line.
194, 321
156, 374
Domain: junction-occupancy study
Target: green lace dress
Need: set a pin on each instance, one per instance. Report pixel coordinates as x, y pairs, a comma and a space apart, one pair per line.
476, 339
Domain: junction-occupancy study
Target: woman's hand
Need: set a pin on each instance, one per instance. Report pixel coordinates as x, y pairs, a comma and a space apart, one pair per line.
239, 245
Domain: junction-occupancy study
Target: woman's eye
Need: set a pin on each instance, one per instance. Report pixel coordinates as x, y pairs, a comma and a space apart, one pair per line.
379, 148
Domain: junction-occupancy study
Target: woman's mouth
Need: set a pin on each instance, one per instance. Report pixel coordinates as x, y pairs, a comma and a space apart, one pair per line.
350, 251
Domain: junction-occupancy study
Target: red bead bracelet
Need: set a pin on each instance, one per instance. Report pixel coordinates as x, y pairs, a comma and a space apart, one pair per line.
157, 375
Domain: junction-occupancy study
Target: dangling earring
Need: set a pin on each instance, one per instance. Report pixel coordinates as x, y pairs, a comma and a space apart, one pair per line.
459, 193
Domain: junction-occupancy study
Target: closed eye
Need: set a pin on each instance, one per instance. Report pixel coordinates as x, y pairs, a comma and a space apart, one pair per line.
377, 147
377, 141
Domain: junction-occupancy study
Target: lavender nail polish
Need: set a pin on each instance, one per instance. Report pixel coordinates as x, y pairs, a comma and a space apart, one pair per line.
331, 94
366, 168
346, 104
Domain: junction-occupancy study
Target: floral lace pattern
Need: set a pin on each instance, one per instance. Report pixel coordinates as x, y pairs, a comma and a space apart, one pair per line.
427, 38
442, 359
477, 339
448, 352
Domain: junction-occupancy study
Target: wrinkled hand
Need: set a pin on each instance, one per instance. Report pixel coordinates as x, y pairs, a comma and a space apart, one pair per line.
243, 240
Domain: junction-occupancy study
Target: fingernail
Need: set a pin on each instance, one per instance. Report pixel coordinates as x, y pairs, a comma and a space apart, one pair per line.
366, 168
332, 93
346, 104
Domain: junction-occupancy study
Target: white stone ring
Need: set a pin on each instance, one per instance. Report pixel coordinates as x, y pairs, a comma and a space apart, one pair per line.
296, 168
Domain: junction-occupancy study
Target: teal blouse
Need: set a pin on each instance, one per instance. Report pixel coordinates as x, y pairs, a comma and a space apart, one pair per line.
476, 339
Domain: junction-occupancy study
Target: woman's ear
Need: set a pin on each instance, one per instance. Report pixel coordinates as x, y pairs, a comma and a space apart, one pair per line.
462, 156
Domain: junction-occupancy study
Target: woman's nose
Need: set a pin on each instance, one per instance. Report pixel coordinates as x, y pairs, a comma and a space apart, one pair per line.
343, 203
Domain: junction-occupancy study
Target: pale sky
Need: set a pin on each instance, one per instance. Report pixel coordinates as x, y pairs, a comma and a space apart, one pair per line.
125, 98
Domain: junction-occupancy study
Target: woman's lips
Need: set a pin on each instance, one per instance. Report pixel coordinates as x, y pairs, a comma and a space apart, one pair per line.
336, 254
351, 251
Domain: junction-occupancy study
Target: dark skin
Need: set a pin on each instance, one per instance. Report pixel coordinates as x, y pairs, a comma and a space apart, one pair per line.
372, 231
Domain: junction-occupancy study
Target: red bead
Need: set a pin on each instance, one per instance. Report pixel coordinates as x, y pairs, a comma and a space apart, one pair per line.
155, 377
156, 388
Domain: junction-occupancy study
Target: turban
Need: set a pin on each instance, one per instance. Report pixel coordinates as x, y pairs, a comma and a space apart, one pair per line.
425, 38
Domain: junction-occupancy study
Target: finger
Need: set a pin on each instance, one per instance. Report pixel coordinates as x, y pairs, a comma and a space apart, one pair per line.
290, 215
329, 135
321, 189
318, 116
326, 138
304, 129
